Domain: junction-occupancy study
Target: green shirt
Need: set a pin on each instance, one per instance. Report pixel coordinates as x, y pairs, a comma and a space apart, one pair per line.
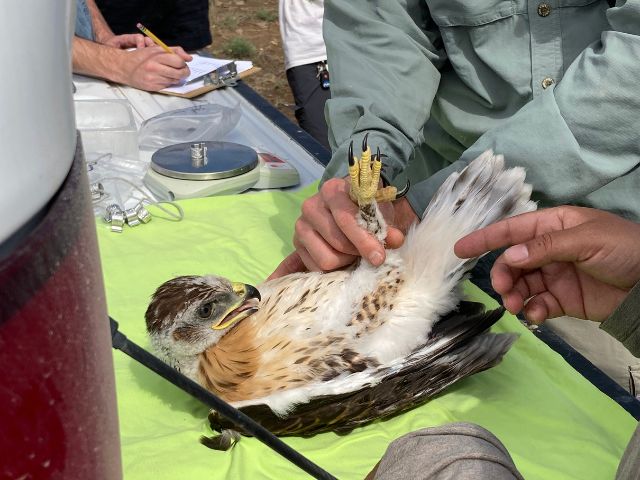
554, 86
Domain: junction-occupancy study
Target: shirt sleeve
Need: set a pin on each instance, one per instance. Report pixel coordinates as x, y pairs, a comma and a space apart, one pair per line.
84, 25
373, 48
578, 136
624, 322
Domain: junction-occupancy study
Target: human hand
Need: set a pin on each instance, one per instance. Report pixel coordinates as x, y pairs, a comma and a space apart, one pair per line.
130, 40
153, 69
327, 235
571, 261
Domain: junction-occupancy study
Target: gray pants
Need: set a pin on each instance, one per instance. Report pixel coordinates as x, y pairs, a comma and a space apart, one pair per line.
464, 451
457, 451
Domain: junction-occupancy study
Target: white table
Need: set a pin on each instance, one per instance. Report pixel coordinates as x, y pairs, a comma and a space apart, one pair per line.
254, 129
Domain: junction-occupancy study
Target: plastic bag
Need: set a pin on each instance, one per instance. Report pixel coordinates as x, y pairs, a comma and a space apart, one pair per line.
193, 124
120, 181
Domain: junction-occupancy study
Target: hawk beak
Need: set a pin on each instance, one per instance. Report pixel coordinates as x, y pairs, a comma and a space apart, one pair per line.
245, 306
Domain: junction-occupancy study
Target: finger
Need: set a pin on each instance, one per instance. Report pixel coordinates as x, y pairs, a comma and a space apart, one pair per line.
515, 286
542, 307
559, 246
306, 259
530, 284
510, 231
140, 40
182, 54
148, 42
292, 263
167, 74
525, 287
503, 277
513, 302
395, 238
173, 61
320, 219
343, 211
313, 248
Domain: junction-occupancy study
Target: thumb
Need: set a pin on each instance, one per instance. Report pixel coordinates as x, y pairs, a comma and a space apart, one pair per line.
291, 264
556, 246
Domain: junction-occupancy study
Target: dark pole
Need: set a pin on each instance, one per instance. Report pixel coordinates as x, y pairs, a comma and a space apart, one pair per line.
139, 354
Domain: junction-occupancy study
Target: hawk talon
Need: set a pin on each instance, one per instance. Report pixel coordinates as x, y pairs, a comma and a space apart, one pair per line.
365, 177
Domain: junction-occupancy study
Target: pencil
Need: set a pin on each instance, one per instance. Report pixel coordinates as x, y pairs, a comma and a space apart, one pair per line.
155, 39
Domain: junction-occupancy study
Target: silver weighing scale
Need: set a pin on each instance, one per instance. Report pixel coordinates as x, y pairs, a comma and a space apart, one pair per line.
190, 170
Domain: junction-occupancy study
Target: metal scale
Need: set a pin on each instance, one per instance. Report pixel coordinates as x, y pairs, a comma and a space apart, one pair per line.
189, 170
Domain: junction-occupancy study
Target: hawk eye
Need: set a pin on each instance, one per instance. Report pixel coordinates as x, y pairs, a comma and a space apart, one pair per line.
204, 310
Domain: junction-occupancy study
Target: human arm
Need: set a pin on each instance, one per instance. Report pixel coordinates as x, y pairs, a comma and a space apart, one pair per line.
581, 135
381, 53
101, 30
371, 46
104, 35
149, 68
561, 261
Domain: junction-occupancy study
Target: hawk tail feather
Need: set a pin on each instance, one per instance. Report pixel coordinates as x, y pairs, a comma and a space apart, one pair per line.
482, 193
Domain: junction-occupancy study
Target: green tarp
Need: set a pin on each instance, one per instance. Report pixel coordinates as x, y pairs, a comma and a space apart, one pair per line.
555, 424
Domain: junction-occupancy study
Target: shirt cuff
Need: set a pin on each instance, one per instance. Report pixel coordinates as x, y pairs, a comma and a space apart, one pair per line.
624, 322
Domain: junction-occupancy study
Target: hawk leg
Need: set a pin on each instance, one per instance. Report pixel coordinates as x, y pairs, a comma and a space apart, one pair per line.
365, 180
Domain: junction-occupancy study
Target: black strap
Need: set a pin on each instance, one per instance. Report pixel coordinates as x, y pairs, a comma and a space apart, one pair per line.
139, 354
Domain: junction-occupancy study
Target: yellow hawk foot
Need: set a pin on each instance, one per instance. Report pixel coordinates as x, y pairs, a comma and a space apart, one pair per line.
365, 178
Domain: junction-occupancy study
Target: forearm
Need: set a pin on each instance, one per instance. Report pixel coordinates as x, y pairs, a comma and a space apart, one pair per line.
583, 134
101, 29
96, 60
576, 139
379, 58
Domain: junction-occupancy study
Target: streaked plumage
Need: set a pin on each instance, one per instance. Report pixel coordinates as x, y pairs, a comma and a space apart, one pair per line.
331, 351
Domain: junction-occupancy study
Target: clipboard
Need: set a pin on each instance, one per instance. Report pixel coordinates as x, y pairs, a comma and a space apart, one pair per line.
224, 76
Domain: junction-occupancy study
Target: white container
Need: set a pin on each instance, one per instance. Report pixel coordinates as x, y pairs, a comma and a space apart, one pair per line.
37, 133
107, 126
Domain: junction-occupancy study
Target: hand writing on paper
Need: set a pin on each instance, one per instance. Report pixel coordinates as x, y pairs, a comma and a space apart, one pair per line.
153, 69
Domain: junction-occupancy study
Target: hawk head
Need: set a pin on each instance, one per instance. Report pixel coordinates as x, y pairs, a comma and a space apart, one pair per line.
189, 314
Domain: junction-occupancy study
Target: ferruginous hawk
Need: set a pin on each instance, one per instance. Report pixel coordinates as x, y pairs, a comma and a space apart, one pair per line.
311, 352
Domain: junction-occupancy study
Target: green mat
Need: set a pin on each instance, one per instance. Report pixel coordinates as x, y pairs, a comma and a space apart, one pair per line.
554, 422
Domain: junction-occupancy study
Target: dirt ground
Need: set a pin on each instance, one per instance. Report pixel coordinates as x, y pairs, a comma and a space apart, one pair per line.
248, 30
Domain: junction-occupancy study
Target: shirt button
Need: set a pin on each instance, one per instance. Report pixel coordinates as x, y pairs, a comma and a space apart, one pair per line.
547, 82
544, 9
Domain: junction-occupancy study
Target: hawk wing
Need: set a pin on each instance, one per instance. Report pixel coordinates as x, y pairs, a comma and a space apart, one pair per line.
457, 347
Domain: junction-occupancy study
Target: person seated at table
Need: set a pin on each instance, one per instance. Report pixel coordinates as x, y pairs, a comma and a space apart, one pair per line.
561, 261
176, 22
131, 59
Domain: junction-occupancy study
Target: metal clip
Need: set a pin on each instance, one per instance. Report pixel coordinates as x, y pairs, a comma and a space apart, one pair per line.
143, 214
132, 217
97, 191
115, 216
226, 75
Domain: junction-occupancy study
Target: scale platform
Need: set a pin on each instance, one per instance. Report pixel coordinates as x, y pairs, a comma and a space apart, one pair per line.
190, 170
